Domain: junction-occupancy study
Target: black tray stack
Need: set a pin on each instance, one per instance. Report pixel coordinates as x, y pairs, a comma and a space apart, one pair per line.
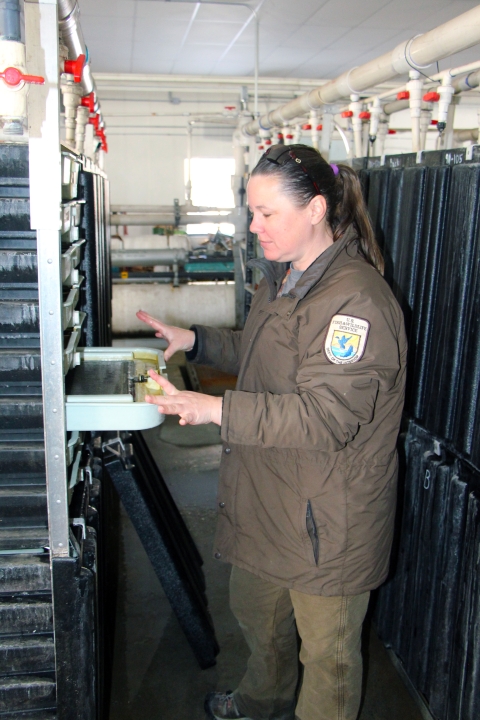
425, 211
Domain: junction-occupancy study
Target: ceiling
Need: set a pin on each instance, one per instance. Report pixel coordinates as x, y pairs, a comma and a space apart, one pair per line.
297, 38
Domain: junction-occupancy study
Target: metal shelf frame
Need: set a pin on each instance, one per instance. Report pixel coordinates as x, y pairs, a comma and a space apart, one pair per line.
42, 44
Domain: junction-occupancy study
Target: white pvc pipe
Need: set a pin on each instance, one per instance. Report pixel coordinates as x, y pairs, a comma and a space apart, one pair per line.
453, 36
155, 219
134, 81
165, 209
146, 258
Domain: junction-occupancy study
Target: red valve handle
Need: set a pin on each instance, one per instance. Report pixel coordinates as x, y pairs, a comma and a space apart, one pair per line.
268, 142
100, 133
289, 137
307, 126
319, 127
94, 121
88, 101
364, 115
431, 96
392, 132
260, 147
75, 67
230, 107
403, 95
14, 77
280, 136
347, 113
433, 122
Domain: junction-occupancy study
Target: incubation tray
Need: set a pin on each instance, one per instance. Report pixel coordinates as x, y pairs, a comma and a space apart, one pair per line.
107, 388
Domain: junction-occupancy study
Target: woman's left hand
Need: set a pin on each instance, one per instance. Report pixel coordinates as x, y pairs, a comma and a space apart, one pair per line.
194, 408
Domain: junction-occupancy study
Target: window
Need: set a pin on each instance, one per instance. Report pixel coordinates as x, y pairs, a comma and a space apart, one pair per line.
211, 180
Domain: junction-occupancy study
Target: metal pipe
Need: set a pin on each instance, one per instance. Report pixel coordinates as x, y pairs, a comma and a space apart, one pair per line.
72, 37
147, 258
153, 219
165, 209
457, 34
10, 20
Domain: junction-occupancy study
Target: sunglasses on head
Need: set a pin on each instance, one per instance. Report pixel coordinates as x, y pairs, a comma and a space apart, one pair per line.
280, 155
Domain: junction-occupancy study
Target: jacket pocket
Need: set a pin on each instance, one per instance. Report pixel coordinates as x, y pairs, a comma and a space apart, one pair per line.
312, 531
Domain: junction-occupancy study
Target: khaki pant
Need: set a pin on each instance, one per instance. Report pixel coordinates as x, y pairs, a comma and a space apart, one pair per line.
330, 632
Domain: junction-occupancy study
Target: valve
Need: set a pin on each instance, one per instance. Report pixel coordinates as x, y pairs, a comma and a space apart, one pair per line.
260, 147
347, 114
230, 107
75, 67
88, 101
364, 115
289, 136
280, 136
306, 126
101, 134
434, 122
94, 121
391, 132
268, 141
13, 77
319, 127
431, 96
403, 95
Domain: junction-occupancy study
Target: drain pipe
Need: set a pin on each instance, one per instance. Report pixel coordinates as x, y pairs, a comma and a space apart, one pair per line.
453, 36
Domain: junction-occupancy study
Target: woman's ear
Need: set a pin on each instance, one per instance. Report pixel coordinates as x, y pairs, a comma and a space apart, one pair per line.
318, 209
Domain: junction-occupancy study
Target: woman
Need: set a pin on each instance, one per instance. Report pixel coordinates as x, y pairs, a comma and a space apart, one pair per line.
308, 475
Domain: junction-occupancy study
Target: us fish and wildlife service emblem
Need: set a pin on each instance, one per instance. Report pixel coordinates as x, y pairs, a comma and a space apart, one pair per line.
346, 339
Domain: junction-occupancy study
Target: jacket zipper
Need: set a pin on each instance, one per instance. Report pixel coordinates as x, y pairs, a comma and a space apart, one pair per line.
312, 531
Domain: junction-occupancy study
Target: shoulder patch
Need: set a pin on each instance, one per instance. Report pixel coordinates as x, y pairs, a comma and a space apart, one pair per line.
346, 339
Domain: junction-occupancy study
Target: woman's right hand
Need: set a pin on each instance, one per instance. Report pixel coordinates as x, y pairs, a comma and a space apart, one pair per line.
177, 338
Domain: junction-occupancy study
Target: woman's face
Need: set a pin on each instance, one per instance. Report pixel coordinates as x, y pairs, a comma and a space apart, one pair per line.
286, 232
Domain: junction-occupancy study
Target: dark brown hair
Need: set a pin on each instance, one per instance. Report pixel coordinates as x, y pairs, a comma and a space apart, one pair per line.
342, 192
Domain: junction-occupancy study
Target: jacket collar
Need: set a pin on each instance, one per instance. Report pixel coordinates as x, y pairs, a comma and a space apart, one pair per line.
274, 272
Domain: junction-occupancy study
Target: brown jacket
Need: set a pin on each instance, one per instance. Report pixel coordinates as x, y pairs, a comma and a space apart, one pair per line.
308, 473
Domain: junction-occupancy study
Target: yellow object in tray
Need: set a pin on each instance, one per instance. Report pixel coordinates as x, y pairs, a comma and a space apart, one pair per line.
107, 389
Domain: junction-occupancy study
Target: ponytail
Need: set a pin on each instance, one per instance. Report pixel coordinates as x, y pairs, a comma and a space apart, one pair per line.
351, 210
338, 184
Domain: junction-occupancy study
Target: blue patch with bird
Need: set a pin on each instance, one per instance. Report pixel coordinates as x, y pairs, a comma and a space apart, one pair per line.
346, 339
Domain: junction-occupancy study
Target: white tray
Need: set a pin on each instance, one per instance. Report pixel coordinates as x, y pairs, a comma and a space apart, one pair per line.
123, 411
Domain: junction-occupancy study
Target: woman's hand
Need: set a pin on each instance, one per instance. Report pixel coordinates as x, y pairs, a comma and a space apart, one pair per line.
194, 408
177, 338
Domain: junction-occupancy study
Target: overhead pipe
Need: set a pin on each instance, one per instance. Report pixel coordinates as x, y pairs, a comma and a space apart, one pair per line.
466, 82
453, 36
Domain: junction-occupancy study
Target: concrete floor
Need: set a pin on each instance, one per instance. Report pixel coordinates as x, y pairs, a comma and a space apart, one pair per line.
155, 676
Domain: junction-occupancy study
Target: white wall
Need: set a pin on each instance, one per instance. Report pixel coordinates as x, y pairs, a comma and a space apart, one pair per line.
147, 144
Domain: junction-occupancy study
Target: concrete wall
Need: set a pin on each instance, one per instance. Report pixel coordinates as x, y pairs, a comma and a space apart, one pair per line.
204, 304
